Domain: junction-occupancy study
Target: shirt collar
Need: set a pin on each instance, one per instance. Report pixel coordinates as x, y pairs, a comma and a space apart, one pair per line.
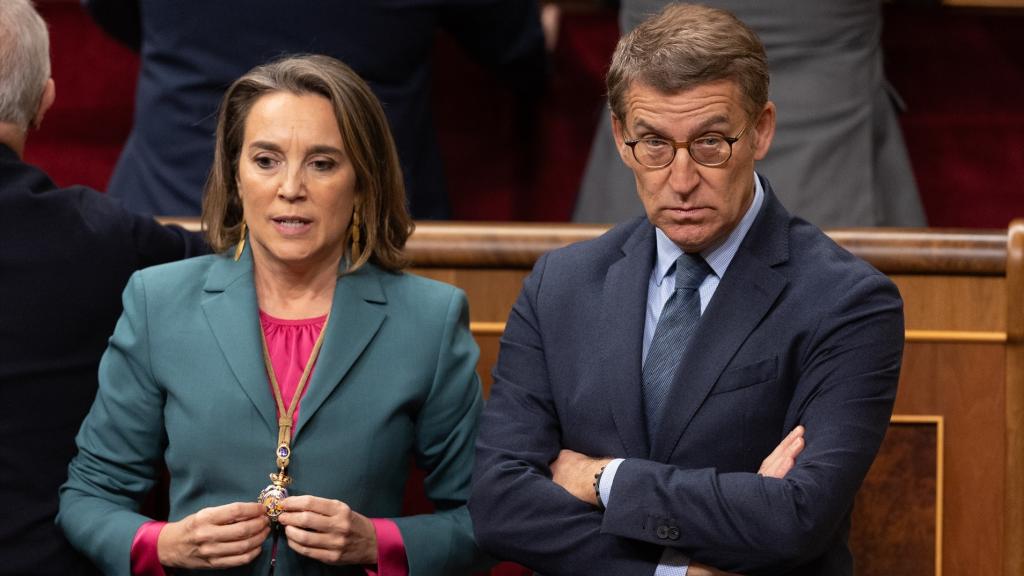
718, 257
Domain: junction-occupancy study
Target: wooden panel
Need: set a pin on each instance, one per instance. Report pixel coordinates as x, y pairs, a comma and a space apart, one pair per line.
963, 383
945, 302
491, 292
897, 517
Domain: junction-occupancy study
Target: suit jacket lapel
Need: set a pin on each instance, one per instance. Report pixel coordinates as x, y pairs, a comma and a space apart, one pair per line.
623, 306
746, 293
233, 315
356, 316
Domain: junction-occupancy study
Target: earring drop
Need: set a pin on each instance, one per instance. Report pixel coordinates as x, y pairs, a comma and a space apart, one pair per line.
241, 243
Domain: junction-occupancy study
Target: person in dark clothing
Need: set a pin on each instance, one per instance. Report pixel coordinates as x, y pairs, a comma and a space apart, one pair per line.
192, 50
65, 256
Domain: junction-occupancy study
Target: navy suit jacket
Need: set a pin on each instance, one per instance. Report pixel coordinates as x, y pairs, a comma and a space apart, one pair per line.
799, 331
65, 256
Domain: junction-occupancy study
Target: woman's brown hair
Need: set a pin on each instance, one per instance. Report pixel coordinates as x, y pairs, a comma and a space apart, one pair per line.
385, 223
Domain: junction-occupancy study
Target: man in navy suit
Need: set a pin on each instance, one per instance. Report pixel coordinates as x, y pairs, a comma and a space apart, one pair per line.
643, 375
65, 256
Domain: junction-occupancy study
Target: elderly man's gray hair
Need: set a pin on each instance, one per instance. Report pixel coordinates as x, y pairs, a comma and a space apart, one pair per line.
24, 61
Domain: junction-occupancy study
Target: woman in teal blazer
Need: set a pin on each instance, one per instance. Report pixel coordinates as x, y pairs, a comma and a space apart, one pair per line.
306, 171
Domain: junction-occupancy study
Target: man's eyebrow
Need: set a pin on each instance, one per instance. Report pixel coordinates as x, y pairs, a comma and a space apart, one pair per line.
642, 125
709, 123
714, 121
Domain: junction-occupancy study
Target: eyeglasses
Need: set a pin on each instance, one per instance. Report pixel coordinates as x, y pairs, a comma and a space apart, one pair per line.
711, 149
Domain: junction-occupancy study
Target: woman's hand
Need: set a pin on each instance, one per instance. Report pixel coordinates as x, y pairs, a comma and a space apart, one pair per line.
328, 531
219, 537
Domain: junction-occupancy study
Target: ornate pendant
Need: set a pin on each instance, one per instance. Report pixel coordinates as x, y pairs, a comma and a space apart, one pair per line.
271, 496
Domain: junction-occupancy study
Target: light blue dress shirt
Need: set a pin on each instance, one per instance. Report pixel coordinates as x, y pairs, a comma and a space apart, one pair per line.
659, 288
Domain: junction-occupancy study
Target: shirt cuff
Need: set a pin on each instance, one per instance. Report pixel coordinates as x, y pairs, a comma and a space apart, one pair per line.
672, 563
391, 560
145, 560
607, 477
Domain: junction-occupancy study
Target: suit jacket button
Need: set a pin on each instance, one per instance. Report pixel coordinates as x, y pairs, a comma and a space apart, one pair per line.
673, 533
662, 531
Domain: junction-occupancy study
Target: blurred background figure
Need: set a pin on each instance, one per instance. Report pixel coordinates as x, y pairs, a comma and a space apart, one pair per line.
65, 256
838, 158
192, 50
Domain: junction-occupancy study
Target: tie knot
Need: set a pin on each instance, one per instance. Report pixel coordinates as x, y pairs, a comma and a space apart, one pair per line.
691, 270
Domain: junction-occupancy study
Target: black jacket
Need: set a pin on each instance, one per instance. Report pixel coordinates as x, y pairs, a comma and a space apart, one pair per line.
65, 256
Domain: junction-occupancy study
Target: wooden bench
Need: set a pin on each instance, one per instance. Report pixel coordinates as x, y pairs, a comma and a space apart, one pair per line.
946, 493
947, 490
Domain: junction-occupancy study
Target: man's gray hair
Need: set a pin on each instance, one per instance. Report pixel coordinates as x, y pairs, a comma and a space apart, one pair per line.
687, 45
24, 61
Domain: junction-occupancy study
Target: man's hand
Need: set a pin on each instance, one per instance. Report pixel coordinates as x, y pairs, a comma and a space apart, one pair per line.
776, 465
783, 458
575, 473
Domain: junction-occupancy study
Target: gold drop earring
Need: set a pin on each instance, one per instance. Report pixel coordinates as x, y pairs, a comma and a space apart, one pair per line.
241, 243
354, 233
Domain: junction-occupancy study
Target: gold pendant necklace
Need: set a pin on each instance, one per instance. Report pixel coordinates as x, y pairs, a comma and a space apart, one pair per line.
271, 496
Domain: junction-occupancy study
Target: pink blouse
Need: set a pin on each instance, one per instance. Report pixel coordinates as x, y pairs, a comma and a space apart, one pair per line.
290, 343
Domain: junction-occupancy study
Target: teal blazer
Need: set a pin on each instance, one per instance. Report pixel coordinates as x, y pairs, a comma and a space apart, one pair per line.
183, 381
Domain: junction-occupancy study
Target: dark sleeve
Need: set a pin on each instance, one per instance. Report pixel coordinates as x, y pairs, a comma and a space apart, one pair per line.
153, 242
119, 18
157, 243
518, 513
139, 239
742, 522
504, 36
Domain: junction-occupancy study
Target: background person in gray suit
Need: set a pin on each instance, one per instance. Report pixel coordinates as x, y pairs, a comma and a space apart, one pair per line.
838, 157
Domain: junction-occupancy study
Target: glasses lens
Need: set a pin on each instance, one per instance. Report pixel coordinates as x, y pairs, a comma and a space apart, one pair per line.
710, 150
654, 152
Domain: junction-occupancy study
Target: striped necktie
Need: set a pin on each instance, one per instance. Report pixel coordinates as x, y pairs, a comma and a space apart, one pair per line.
672, 335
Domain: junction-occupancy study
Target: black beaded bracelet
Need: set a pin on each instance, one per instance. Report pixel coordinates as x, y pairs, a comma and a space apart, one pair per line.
597, 487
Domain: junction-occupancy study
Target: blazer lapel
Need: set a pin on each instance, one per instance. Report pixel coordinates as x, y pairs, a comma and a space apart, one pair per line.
356, 316
623, 306
233, 315
744, 296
